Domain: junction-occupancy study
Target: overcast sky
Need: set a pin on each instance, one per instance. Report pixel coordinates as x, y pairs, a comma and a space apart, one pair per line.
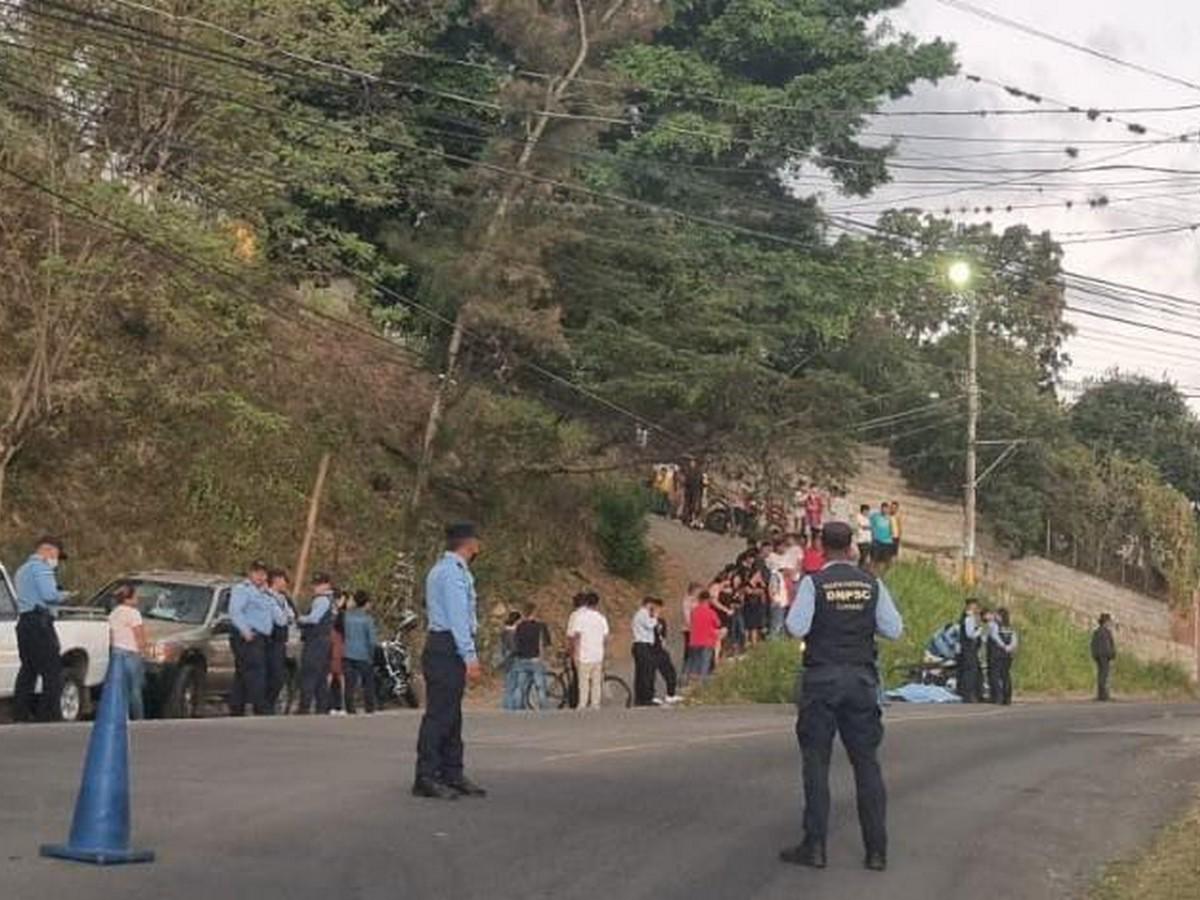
1162, 34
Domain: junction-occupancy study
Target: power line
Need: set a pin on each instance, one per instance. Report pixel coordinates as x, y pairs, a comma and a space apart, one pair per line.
998, 19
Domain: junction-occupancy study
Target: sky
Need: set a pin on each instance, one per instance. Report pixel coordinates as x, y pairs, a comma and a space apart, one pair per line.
1160, 34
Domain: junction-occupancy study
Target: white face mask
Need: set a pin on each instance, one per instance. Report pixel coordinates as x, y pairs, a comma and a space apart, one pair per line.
52, 563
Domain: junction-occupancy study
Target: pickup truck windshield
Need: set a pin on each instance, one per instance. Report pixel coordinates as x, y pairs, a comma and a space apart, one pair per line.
163, 600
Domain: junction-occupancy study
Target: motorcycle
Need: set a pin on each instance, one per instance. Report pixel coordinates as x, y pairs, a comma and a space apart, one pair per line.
395, 680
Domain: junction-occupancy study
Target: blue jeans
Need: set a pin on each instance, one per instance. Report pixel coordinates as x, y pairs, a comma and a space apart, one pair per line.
700, 663
778, 617
133, 670
527, 674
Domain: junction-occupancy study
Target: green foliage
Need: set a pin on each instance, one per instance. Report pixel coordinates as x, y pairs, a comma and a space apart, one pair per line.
1053, 658
1142, 419
767, 674
621, 528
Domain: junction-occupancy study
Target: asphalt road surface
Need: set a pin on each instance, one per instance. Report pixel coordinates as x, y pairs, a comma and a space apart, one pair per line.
1026, 802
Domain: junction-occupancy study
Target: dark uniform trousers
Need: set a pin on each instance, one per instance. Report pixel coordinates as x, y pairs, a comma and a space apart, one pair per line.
1102, 667
644, 670
315, 660
250, 674
276, 665
970, 684
439, 744
41, 656
999, 677
842, 699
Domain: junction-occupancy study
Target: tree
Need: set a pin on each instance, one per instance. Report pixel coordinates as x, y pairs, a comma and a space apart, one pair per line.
1142, 419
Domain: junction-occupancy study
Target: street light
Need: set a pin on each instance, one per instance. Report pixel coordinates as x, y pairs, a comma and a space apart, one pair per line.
960, 274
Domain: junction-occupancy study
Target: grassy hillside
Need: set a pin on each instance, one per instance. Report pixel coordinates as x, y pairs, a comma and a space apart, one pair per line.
1053, 659
208, 467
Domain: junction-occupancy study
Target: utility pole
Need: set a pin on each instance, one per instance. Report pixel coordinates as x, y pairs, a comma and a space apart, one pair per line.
960, 276
972, 425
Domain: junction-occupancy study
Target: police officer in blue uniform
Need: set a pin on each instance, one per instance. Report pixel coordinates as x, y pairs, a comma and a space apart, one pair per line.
283, 612
450, 659
970, 677
316, 630
38, 595
838, 612
252, 619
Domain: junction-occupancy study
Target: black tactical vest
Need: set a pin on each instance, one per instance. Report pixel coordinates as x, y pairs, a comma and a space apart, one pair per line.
843, 626
323, 628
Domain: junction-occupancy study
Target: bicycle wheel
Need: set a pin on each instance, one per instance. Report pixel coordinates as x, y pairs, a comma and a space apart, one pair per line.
556, 690
616, 693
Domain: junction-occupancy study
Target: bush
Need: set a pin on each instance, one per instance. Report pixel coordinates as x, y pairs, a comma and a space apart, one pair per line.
621, 528
1054, 656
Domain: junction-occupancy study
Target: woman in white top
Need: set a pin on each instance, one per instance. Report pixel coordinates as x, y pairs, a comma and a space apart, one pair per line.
128, 644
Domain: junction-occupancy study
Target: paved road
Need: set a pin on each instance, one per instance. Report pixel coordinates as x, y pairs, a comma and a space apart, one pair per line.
1020, 803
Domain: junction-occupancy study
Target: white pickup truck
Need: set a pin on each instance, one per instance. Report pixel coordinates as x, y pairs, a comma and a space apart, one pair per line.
83, 636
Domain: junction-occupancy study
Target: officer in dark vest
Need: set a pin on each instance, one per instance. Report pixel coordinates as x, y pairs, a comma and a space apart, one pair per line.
838, 611
970, 679
316, 630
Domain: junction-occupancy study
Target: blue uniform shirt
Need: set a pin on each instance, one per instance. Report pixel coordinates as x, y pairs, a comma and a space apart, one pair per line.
281, 610
799, 618
450, 603
37, 586
320, 606
250, 609
360, 635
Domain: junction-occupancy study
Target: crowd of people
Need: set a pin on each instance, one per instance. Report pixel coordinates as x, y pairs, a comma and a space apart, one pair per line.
338, 634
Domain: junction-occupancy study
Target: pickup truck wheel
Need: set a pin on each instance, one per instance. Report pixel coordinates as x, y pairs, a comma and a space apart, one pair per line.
187, 694
71, 700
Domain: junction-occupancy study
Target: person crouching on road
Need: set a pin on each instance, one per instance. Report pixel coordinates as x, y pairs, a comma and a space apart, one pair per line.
970, 685
284, 613
359, 653
1001, 647
38, 595
838, 612
316, 630
128, 644
253, 620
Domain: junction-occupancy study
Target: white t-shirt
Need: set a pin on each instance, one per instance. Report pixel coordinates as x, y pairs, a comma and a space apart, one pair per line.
776, 561
591, 628
121, 622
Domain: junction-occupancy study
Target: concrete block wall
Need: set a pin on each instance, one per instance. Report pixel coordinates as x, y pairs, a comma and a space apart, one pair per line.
933, 529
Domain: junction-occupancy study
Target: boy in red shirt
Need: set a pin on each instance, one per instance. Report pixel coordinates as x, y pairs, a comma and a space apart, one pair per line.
814, 557
704, 636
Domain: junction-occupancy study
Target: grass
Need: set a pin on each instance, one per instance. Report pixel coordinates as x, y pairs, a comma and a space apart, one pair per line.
1169, 869
1054, 656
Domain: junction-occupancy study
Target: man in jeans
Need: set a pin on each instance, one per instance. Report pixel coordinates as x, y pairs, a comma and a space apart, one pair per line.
530, 638
588, 634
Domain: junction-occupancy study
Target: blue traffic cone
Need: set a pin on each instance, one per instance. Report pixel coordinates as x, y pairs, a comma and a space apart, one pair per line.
100, 829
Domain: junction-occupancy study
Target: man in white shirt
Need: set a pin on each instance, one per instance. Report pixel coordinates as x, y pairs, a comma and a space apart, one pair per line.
588, 633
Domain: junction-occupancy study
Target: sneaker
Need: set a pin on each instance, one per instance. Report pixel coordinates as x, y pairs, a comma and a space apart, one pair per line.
673, 699
657, 701
337, 712
807, 854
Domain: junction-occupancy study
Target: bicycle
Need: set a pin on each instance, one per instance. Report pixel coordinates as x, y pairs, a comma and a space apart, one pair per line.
562, 689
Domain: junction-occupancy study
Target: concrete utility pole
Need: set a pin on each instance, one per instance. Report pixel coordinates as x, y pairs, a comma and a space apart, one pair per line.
960, 276
972, 425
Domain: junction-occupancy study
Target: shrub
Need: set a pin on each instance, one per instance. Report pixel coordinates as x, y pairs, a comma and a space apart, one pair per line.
621, 528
